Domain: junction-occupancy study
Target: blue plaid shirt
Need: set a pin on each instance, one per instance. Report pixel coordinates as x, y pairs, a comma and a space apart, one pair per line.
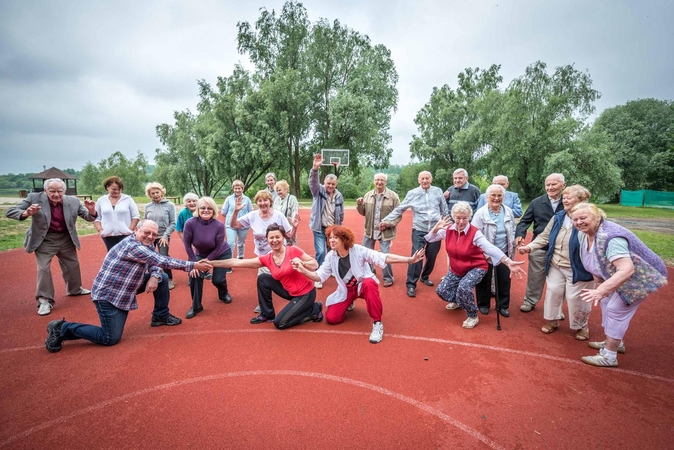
124, 269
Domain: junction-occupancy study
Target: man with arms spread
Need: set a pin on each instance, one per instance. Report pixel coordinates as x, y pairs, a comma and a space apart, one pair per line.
540, 211
130, 268
375, 205
428, 206
510, 199
326, 210
462, 191
52, 233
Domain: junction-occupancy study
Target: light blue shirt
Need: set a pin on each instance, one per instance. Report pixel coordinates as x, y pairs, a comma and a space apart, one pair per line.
511, 200
428, 206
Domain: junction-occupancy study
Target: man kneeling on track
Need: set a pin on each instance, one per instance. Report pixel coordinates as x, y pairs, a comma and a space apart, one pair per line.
131, 267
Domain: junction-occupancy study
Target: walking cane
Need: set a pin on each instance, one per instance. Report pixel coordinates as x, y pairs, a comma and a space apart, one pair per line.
495, 282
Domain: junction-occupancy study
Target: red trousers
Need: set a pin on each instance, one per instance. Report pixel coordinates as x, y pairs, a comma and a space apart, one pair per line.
369, 291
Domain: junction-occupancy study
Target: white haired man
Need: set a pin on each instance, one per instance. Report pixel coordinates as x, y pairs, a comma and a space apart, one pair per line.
52, 233
540, 211
462, 191
374, 206
428, 207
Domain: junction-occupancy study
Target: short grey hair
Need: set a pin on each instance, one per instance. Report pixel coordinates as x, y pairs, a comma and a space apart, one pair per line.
495, 186
465, 172
270, 174
190, 196
330, 176
557, 175
381, 175
462, 208
54, 180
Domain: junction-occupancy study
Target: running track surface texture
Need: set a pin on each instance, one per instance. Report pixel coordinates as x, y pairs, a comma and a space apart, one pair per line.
217, 381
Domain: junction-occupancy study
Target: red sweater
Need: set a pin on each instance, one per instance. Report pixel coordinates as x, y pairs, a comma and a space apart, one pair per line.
463, 254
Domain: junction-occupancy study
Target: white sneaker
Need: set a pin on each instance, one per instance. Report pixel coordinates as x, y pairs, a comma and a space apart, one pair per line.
600, 360
600, 345
351, 306
172, 285
452, 305
470, 322
44, 308
377, 332
257, 309
318, 285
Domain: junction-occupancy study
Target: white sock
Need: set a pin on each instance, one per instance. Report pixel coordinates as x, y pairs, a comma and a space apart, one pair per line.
608, 354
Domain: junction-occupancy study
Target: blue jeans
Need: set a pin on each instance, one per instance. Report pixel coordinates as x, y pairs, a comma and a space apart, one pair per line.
384, 247
319, 245
237, 237
113, 319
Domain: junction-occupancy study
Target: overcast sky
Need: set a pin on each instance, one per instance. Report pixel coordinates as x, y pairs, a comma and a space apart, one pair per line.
80, 80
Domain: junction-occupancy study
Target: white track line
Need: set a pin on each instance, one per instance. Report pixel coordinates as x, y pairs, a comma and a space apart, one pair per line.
378, 389
388, 336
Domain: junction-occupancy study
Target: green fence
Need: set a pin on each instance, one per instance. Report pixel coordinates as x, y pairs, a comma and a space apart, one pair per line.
652, 199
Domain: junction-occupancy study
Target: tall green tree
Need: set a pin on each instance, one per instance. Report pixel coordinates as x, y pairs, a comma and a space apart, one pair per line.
642, 140
451, 134
325, 85
539, 115
131, 171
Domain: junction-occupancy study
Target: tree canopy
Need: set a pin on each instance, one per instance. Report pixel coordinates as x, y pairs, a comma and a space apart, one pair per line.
133, 173
642, 141
535, 126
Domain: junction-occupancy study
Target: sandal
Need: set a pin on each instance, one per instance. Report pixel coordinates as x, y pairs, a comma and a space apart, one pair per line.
549, 327
583, 334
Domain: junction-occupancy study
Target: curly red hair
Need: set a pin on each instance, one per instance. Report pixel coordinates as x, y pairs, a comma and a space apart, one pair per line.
343, 233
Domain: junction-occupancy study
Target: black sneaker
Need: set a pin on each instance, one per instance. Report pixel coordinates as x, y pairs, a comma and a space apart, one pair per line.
260, 319
54, 341
169, 320
318, 317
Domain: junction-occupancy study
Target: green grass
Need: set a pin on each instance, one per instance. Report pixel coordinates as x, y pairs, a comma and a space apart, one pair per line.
662, 244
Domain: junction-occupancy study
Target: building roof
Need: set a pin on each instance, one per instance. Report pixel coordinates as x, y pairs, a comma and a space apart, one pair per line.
53, 173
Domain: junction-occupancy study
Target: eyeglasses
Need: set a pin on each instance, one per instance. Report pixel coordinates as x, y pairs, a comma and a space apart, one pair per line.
205, 208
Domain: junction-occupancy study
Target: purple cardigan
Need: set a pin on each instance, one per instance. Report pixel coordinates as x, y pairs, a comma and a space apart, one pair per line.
206, 236
650, 273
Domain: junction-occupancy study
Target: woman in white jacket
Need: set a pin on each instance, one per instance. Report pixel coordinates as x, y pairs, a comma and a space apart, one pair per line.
497, 222
350, 265
117, 213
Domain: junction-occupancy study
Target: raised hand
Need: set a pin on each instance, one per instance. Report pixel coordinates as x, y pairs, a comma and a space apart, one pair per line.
238, 204
318, 160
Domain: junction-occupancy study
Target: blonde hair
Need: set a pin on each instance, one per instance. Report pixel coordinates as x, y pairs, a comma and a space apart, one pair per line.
579, 191
209, 202
592, 207
283, 184
263, 195
237, 183
154, 185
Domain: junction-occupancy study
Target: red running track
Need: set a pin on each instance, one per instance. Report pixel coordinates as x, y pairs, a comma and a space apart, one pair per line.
218, 382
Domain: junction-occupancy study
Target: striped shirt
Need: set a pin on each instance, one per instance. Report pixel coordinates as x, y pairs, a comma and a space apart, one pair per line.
124, 269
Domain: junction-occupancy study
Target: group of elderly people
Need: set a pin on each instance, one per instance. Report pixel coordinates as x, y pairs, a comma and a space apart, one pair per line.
575, 251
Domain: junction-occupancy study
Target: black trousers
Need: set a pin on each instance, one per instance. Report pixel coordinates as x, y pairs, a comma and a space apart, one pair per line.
219, 280
414, 271
298, 310
483, 288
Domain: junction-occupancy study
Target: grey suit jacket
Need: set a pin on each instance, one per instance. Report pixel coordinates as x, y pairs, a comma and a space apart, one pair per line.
40, 220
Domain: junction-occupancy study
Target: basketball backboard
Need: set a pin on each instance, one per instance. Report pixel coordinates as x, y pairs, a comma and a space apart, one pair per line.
331, 156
